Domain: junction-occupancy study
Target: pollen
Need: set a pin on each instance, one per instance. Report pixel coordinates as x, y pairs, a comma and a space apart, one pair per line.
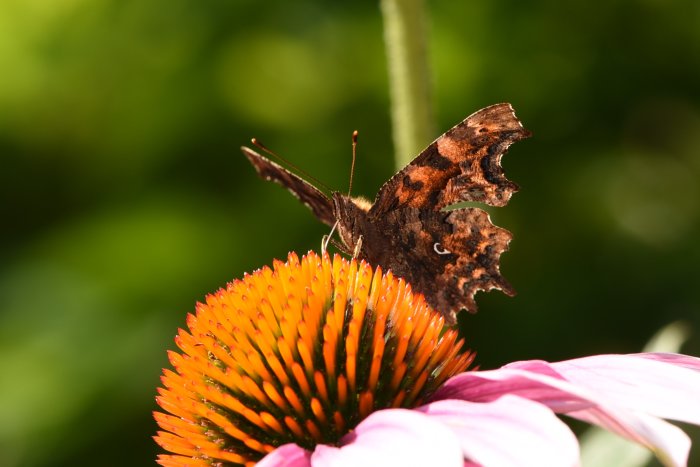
298, 353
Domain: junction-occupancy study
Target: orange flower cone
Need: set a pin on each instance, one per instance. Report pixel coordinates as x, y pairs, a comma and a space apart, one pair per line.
300, 353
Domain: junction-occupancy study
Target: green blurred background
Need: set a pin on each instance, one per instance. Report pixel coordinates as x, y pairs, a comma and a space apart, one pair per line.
125, 198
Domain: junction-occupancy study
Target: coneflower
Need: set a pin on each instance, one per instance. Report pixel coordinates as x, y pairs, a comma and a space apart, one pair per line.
299, 353
323, 363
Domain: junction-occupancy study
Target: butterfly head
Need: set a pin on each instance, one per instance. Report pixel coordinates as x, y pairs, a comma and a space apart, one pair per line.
351, 213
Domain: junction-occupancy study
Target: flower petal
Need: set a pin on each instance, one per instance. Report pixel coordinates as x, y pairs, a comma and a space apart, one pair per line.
545, 383
394, 437
287, 455
539, 382
642, 382
510, 431
686, 361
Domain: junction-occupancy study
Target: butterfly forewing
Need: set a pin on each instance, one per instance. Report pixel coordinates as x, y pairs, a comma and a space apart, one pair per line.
308, 194
461, 165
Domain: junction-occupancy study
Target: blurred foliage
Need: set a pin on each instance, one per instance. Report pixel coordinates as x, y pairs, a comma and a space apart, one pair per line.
125, 198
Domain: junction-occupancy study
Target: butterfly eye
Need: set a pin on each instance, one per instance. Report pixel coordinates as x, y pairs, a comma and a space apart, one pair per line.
440, 250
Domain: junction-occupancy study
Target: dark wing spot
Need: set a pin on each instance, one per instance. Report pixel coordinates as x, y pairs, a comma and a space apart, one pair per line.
438, 161
411, 240
412, 185
434, 197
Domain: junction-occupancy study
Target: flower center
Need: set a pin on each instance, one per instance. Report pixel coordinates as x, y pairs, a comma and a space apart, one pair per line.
300, 353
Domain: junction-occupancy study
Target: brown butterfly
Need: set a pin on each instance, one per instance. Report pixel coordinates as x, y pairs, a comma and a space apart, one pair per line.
447, 255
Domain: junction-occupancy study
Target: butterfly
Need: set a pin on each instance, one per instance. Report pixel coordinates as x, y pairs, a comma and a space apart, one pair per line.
445, 254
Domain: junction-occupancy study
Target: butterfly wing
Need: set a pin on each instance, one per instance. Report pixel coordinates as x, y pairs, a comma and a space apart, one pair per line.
312, 197
464, 164
446, 256
449, 256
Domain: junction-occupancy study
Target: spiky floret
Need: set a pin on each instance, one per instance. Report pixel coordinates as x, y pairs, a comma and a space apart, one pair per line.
299, 353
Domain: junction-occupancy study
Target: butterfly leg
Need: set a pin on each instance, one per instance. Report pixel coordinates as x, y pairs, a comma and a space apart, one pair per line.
358, 247
327, 238
324, 244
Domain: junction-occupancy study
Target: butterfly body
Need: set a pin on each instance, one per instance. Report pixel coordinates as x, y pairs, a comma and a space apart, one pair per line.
447, 255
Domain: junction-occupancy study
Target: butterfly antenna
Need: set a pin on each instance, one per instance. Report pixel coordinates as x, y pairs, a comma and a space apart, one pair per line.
352, 166
284, 161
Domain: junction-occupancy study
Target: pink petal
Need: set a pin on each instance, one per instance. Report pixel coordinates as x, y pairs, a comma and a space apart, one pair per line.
510, 431
600, 402
486, 386
637, 382
287, 455
394, 437
692, 363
